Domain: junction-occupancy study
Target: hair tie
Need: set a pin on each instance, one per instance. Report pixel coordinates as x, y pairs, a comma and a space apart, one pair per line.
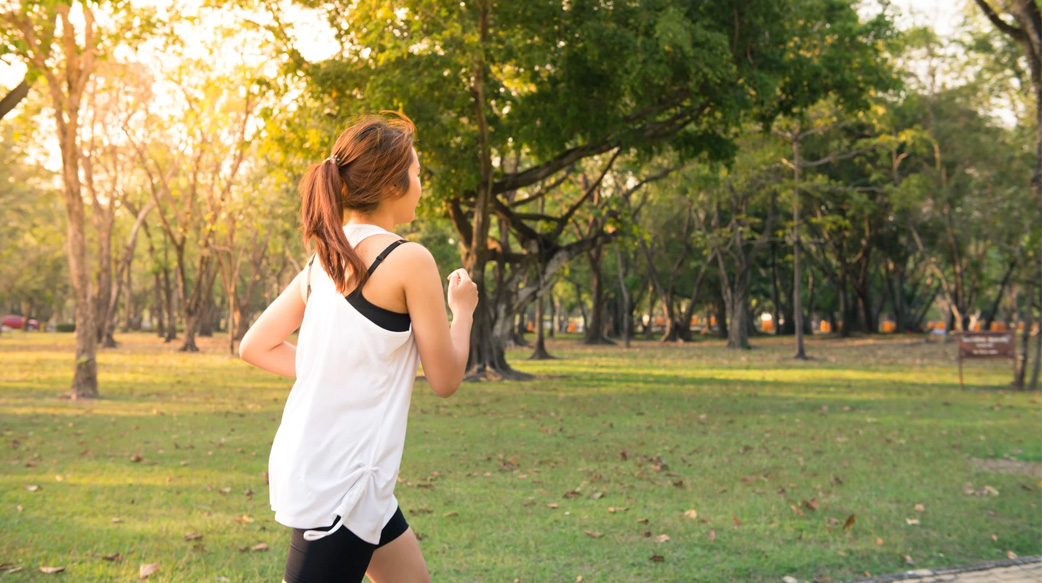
332, 158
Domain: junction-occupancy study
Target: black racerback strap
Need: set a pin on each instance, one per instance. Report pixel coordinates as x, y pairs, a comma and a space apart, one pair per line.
376, 263
383, 255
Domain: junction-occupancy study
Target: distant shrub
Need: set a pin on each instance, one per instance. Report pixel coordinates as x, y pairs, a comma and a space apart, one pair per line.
66, 327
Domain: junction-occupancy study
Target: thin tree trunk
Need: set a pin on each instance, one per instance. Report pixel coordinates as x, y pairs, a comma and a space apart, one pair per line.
625, 318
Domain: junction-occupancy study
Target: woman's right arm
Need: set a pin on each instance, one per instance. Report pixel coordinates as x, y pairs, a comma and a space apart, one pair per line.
264, 344
444, 349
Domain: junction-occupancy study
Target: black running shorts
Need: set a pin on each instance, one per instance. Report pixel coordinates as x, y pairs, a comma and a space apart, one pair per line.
341, 557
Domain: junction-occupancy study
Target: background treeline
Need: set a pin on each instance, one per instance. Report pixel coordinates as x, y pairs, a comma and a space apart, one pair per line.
660, 169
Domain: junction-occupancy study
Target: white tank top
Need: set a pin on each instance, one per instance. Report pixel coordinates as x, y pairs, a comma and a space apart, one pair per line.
339, 447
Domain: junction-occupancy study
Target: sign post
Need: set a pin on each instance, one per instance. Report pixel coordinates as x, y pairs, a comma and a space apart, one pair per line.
986, 345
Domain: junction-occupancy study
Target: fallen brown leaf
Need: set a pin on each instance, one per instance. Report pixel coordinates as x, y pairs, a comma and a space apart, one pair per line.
811, 505
712, 534
737, 522
193, 536
849, 523
662, 538
908, 559
594, 534
259, 547
1011, 555
147, 569
657, 558
553, 505
643, 520
691, 513
51, 569
920, 508
450, 514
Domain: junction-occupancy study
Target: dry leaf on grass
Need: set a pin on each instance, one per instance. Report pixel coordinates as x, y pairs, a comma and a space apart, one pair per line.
712, 534
147, 569
691, 513
908, 559
657, 558
849, 523
912, 521
662, 538
920, 508
51, 569
594, 534
193, 536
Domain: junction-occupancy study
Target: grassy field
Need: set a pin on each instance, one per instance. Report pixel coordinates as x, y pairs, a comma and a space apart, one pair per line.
656, 463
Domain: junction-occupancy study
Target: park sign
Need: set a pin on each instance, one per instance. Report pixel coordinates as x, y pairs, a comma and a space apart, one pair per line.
985, 345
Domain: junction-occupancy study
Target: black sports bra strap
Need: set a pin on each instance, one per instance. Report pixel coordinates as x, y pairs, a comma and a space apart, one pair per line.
383, 255
308, 297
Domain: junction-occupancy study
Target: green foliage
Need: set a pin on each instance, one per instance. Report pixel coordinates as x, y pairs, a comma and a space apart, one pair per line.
33, 266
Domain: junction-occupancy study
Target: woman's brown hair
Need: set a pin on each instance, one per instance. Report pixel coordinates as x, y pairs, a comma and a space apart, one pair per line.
370, 162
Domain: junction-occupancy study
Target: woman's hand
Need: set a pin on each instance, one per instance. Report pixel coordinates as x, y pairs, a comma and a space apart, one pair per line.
462, 293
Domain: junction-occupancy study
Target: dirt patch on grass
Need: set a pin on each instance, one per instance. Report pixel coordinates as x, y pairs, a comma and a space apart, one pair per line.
1010, 466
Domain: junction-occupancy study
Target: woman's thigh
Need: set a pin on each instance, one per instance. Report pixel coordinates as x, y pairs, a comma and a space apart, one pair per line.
399, 561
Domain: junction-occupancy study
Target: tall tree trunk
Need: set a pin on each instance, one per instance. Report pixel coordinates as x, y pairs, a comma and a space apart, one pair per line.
122, 277
595, 329
540, 352
625, 314
989, 316
171, 310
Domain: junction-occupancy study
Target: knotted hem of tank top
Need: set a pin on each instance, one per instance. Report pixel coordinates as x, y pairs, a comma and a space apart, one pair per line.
342, 510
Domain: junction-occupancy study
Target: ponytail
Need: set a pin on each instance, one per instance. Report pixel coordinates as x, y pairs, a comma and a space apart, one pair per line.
370, 162
321, 212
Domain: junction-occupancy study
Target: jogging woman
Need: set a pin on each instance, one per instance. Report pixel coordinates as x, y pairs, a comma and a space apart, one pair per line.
369, 308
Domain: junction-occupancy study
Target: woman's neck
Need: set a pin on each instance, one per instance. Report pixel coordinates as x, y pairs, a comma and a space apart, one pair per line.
384, 221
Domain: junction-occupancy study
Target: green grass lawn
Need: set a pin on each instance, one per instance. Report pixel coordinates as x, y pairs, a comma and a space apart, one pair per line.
834, 467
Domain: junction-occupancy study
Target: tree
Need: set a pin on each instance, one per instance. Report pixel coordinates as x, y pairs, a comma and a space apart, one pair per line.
552, 84
1026, 31
64, 54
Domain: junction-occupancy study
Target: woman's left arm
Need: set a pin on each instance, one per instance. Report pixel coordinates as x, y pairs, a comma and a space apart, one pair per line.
264, 344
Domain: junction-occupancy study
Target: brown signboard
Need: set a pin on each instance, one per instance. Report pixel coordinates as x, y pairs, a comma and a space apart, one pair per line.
973, 345
986, 345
